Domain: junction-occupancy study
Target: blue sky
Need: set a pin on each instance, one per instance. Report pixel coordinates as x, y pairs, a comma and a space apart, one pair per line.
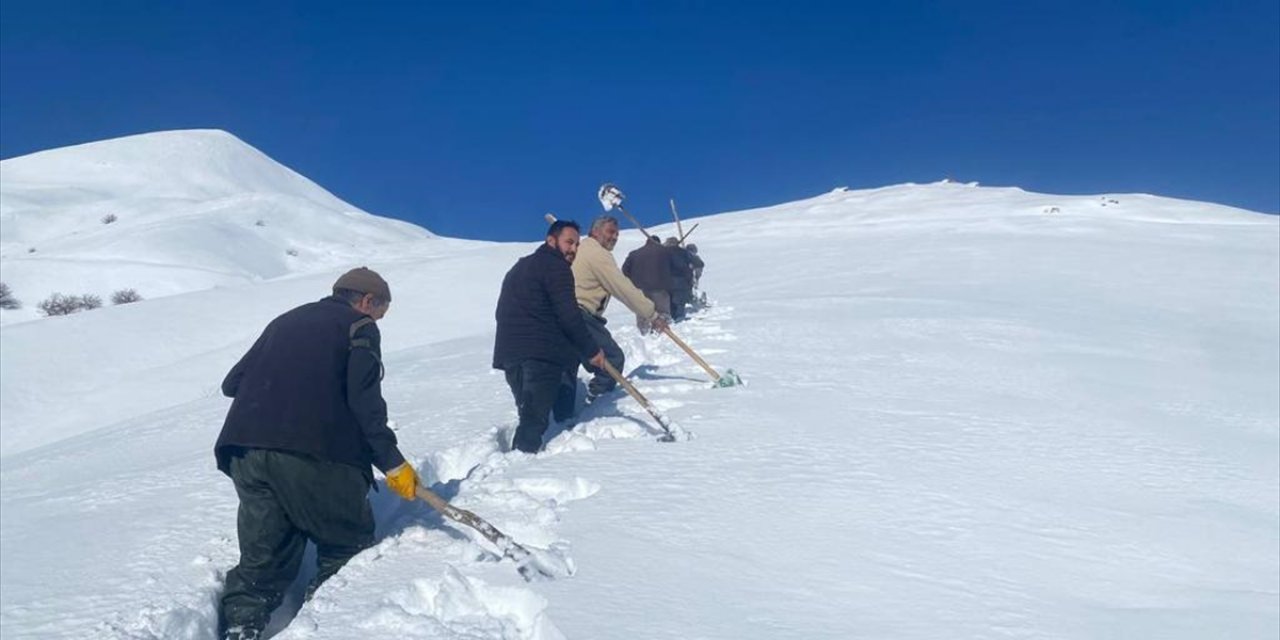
475, 119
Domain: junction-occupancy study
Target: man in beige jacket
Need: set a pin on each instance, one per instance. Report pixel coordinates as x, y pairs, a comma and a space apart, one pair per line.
597, 279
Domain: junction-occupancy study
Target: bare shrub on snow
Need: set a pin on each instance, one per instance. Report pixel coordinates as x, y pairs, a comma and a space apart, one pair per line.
60, 305
125, 296
7, 301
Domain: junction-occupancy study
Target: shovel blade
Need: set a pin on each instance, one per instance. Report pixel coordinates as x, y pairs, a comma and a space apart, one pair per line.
729, 378
535, 565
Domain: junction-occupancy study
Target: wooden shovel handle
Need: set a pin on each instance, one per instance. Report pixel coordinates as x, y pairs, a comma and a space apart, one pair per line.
626, 384
428, 496
633, 220
676, 215
715, 377
639, 397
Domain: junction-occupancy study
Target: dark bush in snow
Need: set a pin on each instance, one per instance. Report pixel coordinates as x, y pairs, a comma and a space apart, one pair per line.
125, 296
260, 223
292, 252
109, 218
60, 305
7, 301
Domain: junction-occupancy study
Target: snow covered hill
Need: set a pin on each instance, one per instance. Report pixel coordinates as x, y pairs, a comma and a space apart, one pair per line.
188, 210
971, 413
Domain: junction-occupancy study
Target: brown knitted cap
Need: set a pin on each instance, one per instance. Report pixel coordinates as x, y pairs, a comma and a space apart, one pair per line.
364, 280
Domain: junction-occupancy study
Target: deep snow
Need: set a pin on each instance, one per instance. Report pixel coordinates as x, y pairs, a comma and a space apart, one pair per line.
965, 417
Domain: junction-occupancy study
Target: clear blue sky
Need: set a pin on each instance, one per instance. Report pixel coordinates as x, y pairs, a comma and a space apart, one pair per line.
474, 119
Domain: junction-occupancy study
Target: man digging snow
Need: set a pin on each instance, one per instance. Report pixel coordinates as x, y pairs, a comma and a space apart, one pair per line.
306, 423
596, 279
541, 336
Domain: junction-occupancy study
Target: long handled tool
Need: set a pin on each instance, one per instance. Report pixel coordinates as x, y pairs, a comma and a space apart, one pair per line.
532, 565
611, 197
729, 379
691, 230
663, 421
676, 215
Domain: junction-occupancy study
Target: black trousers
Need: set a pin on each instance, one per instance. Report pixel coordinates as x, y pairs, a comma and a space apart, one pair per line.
285, 500
540, 388
602, 382
681, 296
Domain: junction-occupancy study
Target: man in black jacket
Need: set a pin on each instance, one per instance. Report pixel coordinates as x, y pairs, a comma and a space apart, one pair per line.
681, 277
306, 423
541, 335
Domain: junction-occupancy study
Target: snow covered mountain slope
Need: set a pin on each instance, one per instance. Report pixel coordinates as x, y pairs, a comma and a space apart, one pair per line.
970, 413
192, 210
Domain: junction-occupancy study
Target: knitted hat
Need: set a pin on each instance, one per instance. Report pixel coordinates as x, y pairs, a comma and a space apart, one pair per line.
364, 280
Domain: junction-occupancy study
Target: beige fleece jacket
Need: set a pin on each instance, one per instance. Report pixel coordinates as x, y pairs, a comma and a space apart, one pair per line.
596, 277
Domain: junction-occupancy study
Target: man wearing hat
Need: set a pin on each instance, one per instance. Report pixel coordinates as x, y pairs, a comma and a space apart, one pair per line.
306, 423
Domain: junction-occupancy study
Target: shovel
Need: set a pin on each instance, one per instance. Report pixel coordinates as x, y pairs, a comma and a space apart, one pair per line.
663, 421
611, 198
729, 379
532, 564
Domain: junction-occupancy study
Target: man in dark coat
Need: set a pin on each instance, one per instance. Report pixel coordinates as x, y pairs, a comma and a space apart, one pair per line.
541, 336
306, 423
696, 301
649, 267
681, 277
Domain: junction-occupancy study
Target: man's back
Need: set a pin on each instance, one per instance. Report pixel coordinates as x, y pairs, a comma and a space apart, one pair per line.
681, 266
289, 390
649, 267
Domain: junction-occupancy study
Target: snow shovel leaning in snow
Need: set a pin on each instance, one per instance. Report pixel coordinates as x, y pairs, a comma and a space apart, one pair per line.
729, 379
532, 565
663, 421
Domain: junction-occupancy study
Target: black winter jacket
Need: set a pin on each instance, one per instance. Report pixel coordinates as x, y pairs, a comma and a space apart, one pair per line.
681, 267
538, 317
311, 385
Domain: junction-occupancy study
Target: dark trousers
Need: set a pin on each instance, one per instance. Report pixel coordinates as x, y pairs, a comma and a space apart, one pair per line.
539, 389
681, 295
602, 382
285, 500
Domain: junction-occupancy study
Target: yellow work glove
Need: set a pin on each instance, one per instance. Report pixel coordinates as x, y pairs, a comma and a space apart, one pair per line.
404, 481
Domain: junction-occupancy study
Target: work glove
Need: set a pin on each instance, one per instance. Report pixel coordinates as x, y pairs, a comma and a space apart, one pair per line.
403, 480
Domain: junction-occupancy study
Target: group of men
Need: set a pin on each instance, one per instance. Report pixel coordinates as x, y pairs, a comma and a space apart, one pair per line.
308, 421
551, 317
668, 273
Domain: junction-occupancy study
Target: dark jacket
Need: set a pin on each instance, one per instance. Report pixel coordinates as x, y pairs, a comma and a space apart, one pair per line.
681, 267
649, 267
311, 385
537, 314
